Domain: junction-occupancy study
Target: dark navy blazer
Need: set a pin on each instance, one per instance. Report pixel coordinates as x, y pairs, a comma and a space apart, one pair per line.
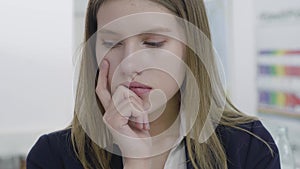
54, 150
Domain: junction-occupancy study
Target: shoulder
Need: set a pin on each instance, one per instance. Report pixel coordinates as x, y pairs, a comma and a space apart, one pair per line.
53, 150
251, 146
232, 135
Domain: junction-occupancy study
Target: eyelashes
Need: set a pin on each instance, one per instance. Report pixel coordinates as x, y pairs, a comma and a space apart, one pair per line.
149, 44
154, 44
147, 40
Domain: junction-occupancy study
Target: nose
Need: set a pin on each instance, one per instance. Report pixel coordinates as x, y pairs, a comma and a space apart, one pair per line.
129, 65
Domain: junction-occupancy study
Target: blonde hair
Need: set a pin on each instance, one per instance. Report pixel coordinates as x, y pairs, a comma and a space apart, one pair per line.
205, 156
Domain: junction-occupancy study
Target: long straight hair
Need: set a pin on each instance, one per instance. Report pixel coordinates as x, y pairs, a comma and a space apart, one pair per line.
209, 155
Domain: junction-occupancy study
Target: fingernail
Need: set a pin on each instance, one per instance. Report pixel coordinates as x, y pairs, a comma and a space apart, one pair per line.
147, 105
103, 64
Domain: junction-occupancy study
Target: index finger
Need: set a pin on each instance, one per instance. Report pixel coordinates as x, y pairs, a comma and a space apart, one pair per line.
101, 88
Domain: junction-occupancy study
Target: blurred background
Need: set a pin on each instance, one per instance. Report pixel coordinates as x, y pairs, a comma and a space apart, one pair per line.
258, 42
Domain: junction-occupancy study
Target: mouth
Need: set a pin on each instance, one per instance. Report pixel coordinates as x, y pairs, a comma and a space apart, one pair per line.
139, 89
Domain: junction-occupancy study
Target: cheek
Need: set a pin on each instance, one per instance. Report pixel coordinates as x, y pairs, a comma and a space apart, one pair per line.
113, 64
177, 48
171, 84
183, 66
180, 75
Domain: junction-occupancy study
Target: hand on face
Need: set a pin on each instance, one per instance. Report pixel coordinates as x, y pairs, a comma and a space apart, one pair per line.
124, 115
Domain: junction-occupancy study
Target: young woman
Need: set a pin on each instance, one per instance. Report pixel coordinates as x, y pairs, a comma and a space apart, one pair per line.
149, 96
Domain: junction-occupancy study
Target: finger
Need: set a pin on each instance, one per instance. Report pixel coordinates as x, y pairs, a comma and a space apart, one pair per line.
101, 89
138, 100
129, 93
123, 93
123, 123
118, 95
146, 124
139, 116
139, 121
114, 119
135, 113
129, 108
132, 122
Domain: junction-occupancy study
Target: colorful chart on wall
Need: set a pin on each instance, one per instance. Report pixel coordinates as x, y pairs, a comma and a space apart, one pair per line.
278, 57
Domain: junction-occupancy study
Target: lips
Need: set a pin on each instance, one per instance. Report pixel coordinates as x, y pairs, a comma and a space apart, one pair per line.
139, 89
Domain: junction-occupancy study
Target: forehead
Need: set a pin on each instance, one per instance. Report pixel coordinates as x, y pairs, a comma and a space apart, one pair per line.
132, 17
113, 9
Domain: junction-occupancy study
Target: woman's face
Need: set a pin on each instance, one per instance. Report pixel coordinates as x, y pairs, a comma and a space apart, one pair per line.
147, 60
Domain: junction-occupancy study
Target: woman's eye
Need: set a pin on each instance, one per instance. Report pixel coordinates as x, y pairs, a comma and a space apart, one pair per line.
109, 44
154, 44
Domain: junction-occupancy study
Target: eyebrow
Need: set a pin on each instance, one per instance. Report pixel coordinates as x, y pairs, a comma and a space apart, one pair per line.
106, 31
154, 30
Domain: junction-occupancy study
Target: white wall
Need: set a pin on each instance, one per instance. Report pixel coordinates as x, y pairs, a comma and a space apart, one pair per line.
35, 67
242, 58
78, 24
242, 68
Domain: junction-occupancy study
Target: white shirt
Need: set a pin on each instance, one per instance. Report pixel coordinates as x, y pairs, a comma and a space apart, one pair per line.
177, 157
